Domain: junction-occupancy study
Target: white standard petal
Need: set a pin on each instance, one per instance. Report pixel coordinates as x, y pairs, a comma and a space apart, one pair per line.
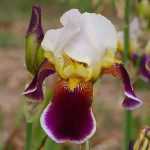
80, 50
55, 40
72, 16
51, 39
100, 31
97, 35
85, 37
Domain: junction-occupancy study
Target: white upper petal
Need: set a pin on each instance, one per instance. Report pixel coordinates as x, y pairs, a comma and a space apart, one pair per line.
55, 40
72, 16
101, 31
84, 37
81, 50
97, 35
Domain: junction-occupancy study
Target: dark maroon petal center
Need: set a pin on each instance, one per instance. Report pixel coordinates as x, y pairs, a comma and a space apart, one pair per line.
69, 117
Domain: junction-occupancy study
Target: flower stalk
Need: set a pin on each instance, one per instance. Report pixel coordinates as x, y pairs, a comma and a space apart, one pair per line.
127, 11
128, 118
28, 141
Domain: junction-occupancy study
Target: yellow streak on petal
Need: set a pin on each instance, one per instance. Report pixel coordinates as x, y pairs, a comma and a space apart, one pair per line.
119, 46
73, 82
69, 71
83, 72
49, 56
109, 59
69, 68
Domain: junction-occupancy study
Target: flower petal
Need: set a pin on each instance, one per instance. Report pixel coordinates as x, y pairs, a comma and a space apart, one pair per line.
80, 50
72, 16
55, 40
100, 31
131, 101
69, 117
34, 89
145, 67
82, 37
90, 45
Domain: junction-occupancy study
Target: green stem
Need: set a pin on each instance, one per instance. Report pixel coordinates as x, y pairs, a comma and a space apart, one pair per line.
128, 129
127, 30
28, 136
85, 146
128, 118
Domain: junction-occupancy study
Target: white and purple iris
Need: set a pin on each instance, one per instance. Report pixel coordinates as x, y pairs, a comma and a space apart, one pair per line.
144, 59
81, 51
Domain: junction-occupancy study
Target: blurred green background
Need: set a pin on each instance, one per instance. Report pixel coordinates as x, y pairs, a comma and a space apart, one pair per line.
17, 13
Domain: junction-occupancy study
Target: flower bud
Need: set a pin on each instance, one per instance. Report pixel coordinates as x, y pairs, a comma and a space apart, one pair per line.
143, 142
34, 36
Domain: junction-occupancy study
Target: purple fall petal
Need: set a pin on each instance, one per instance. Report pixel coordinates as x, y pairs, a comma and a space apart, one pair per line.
34, 89
69, 118
145, 67
35, 26
131, 101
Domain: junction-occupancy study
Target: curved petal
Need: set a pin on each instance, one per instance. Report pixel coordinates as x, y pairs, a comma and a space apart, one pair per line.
72, 16
69, 117
80, 50
131, 101
100, 31
82, 37
145, 67
90, 45
34, 89
55, 40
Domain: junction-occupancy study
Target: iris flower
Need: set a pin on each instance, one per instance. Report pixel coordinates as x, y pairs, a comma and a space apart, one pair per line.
143, 60
79, 52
